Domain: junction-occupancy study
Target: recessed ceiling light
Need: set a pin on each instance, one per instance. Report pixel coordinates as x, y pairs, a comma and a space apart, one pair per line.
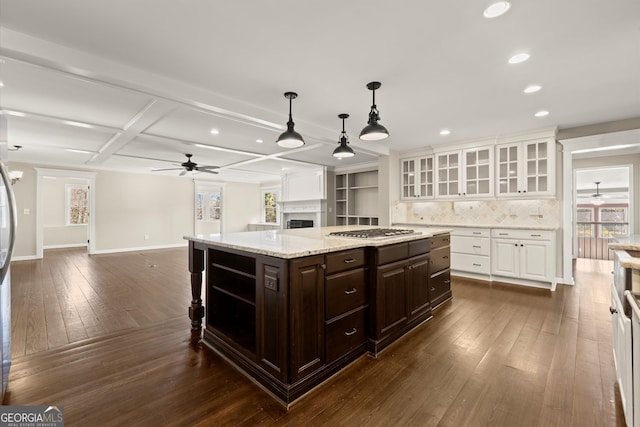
518, 58
214, 131
532, 88
73, 150
259, 141
496, 9
77, 124
541, 113
445, 132
1, 84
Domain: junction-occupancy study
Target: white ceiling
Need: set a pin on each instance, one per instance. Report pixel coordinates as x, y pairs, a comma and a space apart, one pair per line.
154, 76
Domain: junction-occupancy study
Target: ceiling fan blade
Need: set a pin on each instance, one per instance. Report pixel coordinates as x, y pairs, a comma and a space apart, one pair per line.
207, 171
207, 167
184, 171
169, 169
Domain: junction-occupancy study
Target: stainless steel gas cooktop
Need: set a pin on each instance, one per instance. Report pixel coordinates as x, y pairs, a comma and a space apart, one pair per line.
373, 233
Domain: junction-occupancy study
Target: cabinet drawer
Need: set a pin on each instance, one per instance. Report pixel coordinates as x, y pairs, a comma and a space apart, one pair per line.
470, 245
391, 253
439, 260
471, 263
471, 232
345, 260
345, 333
345, 291
439, 287
523, 234
440, 241
419, 247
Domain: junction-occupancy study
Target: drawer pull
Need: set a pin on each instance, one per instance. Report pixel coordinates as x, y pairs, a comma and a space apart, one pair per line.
353, 331
445, 257
536, 235
350, 260
477, 246
503, 234
351, 291
612, 310
477, 232
477, 265
433, 289
446, 282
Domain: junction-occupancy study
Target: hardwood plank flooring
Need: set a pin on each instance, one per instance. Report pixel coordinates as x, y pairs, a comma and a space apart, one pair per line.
108, 337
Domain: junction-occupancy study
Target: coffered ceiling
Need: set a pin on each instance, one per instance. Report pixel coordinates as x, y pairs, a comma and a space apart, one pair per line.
134, 86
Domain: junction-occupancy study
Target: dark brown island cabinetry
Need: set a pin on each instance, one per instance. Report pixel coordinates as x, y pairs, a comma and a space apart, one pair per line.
439, 270
291, 323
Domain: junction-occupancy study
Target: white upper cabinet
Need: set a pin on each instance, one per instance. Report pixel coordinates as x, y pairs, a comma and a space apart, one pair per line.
416, 178
304, 185
526, 168
465, 173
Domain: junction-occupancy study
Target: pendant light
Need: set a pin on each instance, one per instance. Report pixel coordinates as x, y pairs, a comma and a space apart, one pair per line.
374, 131
343, 150
290, 138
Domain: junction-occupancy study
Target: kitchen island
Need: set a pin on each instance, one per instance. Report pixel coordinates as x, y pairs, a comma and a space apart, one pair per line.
290, 308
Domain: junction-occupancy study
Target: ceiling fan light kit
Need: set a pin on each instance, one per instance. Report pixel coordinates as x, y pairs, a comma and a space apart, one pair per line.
343, 150
190, 166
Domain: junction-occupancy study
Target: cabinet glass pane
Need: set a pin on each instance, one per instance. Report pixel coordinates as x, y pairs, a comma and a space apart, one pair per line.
442, 175
423, 164
531, 151
453, 160
442, 188
430, 190
483, 171
513, 186
483, 156
471, 173
453, 188
531, 168
503, 170
471, 157
503, 185
542, 167
483, 186
542, 183
513, 153
429, 177
453, 174
513, 169
542, 150
442, 161
472, 188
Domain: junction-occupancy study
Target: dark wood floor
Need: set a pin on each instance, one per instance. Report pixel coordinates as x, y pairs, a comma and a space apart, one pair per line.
117, 352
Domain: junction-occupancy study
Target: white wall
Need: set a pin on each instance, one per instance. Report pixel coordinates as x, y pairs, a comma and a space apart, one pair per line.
130, 206
56, 233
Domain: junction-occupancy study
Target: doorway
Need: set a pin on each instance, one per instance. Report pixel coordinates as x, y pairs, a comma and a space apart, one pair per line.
602, 209
59, 234
208, 208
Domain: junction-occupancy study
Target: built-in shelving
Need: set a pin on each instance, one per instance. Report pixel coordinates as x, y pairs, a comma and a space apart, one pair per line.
357, 198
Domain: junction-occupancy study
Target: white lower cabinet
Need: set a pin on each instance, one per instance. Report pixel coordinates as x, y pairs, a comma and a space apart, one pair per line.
621, 337
523, 254
470, 251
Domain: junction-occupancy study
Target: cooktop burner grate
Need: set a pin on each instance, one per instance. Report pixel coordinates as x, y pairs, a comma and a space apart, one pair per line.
373, 233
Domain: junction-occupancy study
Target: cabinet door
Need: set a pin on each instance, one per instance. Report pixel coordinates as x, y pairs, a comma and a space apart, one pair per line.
537, 167
391, 298
448, 174
621, 337
271, 319
418, 283
504, 257
534, 260
478, 180
508, 165
306, 290
425, 177
408, 179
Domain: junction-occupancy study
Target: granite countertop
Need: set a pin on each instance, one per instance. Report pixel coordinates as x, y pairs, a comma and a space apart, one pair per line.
302, 242
631, 242
505, 226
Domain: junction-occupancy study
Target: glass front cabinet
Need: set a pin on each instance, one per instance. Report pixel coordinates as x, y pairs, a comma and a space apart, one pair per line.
465, 174
417, 178
526, 168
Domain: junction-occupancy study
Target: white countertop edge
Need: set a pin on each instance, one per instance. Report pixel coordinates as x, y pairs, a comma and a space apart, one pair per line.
626, 260
506, 226
317, 238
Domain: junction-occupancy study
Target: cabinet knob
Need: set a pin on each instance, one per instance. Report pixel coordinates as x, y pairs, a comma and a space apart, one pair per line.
350, 291
447, 282
351, 332
612, 310
521, 245
515, 244
433, 289
519, 191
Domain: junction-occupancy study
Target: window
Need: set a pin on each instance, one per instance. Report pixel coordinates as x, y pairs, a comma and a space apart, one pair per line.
585, 221
270, 214
613, 220
208, 206
77, 204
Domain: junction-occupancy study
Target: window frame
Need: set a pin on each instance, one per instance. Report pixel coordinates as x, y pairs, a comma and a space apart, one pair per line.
263, 209
67, 203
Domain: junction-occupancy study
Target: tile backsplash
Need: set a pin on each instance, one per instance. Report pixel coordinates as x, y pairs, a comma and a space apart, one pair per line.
543, 212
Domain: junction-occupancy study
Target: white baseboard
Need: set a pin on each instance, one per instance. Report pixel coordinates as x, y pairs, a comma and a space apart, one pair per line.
24, 258
70, 245
141, 248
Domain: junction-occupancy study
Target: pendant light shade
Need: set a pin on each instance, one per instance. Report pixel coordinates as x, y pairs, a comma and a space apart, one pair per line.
343, 150
374, 131
290, 138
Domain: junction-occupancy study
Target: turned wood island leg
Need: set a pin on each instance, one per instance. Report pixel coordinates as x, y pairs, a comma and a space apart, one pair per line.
196, 310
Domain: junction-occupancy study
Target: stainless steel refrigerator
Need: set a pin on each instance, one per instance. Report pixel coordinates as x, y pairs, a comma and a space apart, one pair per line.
7, 240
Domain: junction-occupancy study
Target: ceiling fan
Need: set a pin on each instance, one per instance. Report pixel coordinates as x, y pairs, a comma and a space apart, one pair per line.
190, 166
597, 197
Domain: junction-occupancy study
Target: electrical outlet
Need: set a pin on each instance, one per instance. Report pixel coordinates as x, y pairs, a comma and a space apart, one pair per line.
534, 211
